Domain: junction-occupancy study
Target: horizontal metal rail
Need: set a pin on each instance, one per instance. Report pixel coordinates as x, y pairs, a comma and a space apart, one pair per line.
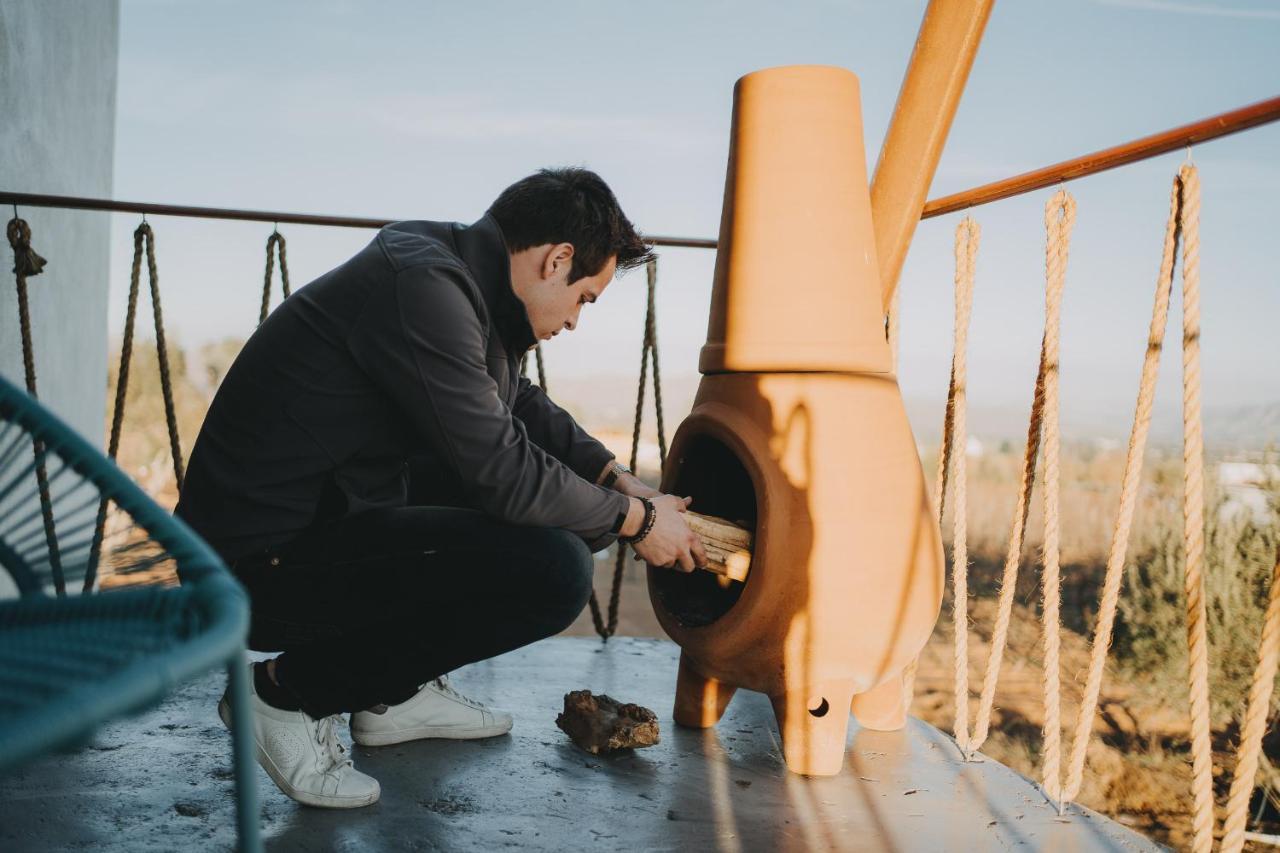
275, 217
1205, 130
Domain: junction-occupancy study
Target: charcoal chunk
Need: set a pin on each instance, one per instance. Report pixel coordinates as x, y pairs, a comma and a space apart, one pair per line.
601, 724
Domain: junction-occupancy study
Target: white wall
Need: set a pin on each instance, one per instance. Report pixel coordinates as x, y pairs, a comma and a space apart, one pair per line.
58, 63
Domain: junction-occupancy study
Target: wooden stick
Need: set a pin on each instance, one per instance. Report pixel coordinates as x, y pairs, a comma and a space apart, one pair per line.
728, 545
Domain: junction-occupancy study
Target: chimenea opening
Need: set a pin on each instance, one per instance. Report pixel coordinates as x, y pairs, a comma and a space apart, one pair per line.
708, 471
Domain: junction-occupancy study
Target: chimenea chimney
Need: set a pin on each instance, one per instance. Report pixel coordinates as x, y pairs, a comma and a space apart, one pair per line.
798, 432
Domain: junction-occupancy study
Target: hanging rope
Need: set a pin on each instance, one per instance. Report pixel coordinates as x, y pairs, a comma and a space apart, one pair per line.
276, 241
951, 468
1060, 215
1193, 514
542, 370
1183, 224
1128, 501
27, 263
648, 351
1013, 554
141, 235
1255, 721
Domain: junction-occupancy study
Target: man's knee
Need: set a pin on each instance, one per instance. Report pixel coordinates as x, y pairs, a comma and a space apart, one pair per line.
571, 569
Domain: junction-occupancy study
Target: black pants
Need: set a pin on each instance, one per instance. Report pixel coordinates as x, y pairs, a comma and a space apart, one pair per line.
386, 600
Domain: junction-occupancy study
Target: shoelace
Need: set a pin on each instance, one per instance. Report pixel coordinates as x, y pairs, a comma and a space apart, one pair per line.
442, 684
327, 736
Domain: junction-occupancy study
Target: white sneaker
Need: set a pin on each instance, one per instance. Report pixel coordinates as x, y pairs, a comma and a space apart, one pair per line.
303, 756
435, 711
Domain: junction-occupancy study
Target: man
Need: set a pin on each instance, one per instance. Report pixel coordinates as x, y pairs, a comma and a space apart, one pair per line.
411, 349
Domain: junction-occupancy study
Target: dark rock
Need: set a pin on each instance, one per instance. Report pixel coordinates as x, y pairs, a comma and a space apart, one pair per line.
601, 724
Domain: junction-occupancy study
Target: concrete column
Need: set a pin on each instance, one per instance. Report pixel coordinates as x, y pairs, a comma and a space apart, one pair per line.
58, 62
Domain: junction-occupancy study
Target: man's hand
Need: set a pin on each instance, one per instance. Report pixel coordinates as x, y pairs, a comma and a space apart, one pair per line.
671, 544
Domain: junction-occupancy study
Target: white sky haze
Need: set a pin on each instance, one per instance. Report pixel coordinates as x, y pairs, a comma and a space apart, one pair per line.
427, 110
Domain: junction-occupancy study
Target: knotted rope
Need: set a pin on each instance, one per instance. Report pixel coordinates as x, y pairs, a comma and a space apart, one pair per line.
1193, 513
951, 456
1182, 224
1128, 502
276, 241
951, 468
542, 369
648, 351
141, 235
1013, 554
1255, 721
27, 263
1060, 215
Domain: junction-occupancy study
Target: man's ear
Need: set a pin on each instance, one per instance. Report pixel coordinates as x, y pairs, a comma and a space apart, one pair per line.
558, 261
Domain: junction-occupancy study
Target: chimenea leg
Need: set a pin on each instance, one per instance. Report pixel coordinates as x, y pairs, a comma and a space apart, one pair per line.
814, 726
882, 707
700, 701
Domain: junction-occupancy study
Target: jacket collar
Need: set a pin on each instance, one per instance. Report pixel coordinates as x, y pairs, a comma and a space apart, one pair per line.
484, 250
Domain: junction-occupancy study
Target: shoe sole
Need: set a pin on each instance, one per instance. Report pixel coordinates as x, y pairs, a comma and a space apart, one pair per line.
306, 798
426, 733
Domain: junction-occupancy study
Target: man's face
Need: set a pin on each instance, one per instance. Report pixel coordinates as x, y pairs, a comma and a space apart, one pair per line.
540, 278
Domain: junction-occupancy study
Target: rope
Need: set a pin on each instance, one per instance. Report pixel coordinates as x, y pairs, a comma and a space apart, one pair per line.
27, 263
1128, 503
1013, 554
955, 437
1193, 514
1255, 721
542, 370
1059, 217
648, 351
141, 235
276, 240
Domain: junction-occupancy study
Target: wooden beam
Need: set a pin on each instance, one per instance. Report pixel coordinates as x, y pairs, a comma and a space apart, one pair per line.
936, 75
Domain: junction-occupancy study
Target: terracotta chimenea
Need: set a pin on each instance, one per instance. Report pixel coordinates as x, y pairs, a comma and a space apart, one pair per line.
798, 432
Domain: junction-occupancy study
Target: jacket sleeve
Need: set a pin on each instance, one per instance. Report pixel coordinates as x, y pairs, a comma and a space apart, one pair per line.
555, 430
420, 339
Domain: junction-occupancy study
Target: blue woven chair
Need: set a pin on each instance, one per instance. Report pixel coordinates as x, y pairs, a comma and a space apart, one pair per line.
70, 663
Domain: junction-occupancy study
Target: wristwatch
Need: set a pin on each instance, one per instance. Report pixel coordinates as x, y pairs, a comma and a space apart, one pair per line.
616, 471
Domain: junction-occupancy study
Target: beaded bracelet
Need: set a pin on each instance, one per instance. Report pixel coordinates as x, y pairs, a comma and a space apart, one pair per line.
646, 527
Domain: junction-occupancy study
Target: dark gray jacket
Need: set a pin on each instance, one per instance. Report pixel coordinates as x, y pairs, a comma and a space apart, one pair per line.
411, 348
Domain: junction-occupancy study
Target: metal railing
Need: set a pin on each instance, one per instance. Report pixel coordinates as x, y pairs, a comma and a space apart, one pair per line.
1204, 130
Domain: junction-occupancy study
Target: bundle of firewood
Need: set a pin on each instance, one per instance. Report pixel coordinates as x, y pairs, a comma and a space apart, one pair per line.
728, 545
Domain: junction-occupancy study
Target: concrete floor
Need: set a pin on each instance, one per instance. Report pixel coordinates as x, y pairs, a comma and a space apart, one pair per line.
162, 781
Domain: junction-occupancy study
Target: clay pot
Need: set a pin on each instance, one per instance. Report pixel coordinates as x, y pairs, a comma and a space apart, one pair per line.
798, 432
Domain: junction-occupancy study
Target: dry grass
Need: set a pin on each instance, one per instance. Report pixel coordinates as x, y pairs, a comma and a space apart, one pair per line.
1138, 763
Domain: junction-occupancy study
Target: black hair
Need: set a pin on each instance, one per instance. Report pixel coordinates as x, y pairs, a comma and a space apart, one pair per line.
570, 205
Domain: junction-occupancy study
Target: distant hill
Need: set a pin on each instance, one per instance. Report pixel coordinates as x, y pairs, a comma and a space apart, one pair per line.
1244, 427
607, 402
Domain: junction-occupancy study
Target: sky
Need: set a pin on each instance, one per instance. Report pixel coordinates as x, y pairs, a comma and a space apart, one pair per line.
424, 110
